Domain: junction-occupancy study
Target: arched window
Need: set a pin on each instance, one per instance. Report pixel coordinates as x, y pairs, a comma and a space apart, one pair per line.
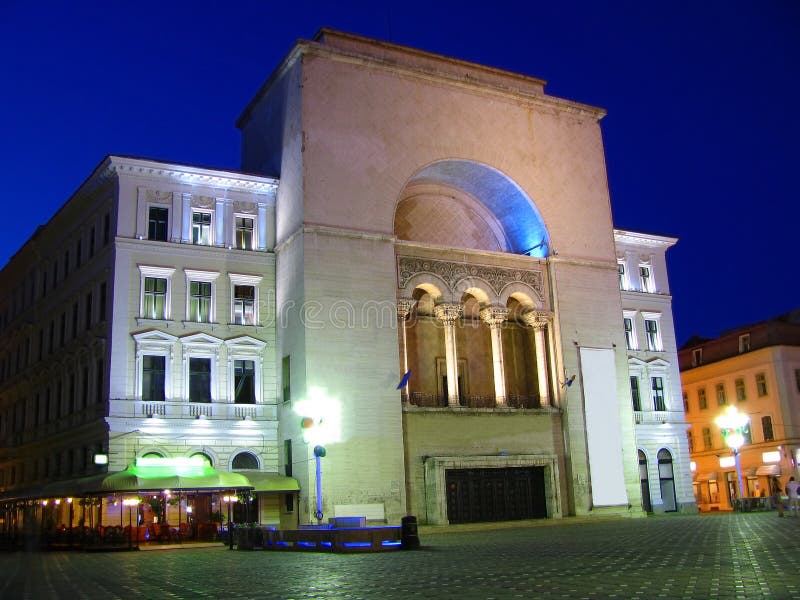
153, 455
645, 482
245, 460
204, 456
667, 480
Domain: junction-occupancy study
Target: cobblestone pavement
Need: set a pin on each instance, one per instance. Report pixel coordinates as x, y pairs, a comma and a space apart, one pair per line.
751, 555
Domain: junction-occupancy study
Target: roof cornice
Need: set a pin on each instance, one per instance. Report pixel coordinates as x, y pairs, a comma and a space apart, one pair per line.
623, 236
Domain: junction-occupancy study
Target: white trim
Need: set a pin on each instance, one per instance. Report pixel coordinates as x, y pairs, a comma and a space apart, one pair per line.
201, 345
253, 281
201, 277
146, 271
154, 343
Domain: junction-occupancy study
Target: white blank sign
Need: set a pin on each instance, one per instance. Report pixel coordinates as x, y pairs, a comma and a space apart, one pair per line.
603, 431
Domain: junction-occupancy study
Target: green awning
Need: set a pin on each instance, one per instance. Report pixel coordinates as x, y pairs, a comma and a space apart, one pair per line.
272, 482
156, 478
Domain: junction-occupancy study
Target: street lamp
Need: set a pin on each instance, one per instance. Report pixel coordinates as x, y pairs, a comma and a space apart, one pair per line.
130, 503
230, 500
734, 425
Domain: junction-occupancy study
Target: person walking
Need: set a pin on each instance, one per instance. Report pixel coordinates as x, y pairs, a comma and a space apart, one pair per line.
776, 493
791, 491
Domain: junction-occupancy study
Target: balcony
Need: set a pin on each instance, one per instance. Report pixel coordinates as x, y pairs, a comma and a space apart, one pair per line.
517, 401
658, 417
193, 410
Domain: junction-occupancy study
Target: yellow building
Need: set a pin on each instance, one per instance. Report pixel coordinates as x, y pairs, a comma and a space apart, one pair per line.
755, 368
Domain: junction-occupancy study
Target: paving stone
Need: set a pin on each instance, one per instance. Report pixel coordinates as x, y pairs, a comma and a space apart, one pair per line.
751, 555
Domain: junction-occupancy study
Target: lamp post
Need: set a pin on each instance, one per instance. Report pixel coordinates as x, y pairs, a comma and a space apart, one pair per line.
130, 503
734, 425
230, 500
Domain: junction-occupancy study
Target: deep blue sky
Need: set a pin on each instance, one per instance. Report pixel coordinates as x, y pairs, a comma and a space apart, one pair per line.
701, 135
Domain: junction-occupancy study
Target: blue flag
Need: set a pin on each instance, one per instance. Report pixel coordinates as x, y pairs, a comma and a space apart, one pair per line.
404, 381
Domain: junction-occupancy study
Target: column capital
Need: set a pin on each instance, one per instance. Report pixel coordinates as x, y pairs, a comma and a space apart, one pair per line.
404, 308
494, 315
537, 319
448, 312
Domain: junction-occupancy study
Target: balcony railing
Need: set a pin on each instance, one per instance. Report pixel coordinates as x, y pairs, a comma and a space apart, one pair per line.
658, 416
192, 410
423, 400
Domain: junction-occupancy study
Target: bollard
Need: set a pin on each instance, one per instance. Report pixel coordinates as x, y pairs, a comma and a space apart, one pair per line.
408, 533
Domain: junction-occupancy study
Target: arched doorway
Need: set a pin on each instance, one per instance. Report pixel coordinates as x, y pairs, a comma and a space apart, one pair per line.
647, 505
666, 480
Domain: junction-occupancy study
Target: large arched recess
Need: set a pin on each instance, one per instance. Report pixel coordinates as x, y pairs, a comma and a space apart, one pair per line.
523, 227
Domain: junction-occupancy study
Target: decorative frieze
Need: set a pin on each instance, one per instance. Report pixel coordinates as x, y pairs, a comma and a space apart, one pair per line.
158, 197
454, 272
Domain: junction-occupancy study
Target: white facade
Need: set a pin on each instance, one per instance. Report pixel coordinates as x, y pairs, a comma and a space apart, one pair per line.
655, 384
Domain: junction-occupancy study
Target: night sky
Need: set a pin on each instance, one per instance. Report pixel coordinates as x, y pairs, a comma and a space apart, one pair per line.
701, 135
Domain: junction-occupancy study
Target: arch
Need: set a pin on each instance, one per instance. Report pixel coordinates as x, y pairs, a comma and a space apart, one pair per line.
152, 453
644, 478
469, 289
666, 479
522, 224
428, 283
522, 293
244, 461
204, 455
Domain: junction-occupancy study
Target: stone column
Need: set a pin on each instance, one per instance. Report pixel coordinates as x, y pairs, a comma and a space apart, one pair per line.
538, 320
404, 307
448, 314
495, 316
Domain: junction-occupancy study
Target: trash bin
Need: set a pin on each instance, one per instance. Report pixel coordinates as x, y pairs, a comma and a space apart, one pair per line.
408, 533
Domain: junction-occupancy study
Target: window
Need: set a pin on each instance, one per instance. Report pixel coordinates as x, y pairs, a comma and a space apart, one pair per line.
690, 439
740, 392
685, 402
155, 298
244, 377
199, 380
707, 445
103, 292
702, 402
623, 280
156, 292
244, 233
761, 384
153, 378
286, 379
766, 427
74, 319
245, 460
91, 242
200, 306
78, 254
645, 279
721, 399
744, 343
697, 357
653, 337
157, 219
658, 394
89, 310
66, 264
797, 379
637, 399
287, 456
98, 384
630, 332
199, 302
244, 297
106, 229
201, 228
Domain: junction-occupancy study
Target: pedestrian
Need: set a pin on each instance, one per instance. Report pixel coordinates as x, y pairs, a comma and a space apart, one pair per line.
791, 491
777, 493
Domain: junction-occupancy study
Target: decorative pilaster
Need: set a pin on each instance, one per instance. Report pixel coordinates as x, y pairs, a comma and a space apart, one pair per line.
538, 320
404, 307
495, 316
448, 314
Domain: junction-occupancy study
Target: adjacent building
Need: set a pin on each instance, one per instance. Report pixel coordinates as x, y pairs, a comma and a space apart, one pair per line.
655, 383
755, 368
416, 269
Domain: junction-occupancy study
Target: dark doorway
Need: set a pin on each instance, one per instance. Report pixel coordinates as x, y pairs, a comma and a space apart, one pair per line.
495, 494
647, 505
